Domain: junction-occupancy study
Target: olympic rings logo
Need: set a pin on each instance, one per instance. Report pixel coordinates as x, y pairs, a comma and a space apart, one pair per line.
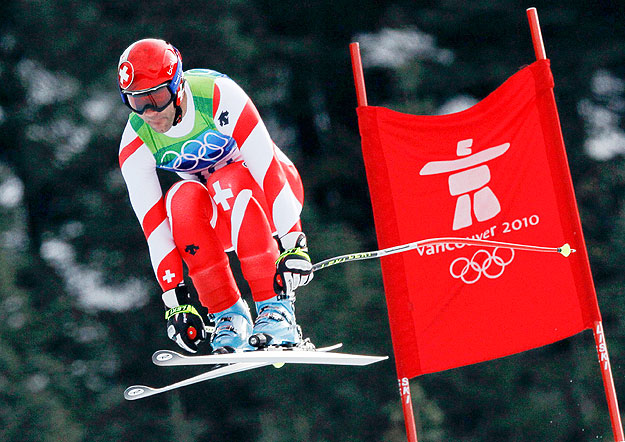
481, 263
211, 149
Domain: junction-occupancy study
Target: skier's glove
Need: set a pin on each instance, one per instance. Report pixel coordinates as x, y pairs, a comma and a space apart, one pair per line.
293, 266
185, 325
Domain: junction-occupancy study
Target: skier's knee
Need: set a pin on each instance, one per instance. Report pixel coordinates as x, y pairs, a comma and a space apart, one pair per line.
184, 196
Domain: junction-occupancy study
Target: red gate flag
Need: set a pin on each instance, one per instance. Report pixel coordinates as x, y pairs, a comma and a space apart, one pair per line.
496, 171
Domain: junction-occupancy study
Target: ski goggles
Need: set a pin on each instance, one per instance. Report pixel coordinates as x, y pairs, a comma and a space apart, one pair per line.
157, 99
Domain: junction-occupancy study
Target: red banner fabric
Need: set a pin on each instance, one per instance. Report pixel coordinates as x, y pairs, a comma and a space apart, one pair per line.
496, 171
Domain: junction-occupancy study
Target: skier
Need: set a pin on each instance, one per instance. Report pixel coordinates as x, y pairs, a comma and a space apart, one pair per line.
238, 193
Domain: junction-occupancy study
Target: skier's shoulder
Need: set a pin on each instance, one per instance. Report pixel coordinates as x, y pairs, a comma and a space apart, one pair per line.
129, 135
203, 74
208, 79
132, 145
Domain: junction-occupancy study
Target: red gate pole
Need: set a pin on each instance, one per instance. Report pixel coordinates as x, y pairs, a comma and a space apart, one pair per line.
602, 349
403, 382
359, 78
608, 382
406, 405
537, 36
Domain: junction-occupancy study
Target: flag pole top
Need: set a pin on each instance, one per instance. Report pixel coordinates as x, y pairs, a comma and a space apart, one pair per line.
359, 79
537, 38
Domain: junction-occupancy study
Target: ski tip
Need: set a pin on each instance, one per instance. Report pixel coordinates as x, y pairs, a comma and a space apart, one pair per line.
135, 392
161, 357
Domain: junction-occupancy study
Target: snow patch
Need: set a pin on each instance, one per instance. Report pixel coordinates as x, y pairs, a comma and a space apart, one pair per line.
87, 283
394, 48
602, 115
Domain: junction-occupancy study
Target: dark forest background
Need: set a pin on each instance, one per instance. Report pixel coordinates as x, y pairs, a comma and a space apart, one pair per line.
80, 312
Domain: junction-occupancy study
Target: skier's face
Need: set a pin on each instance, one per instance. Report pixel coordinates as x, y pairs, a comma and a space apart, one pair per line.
161, 121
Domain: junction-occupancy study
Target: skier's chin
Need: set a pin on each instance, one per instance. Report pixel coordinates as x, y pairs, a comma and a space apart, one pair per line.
160, 124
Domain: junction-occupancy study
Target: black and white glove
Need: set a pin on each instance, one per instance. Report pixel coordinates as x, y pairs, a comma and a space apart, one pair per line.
185, 325
293, 266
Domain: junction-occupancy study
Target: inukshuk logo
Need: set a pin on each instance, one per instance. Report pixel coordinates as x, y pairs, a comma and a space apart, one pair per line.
468, 182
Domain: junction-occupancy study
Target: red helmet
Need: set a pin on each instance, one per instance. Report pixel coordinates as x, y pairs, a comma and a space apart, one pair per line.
149, 75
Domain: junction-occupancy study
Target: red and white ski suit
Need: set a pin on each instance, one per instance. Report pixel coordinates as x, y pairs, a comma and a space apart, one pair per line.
237, 203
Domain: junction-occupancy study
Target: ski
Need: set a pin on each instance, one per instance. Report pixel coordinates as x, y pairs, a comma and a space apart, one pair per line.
135, 392
270, 355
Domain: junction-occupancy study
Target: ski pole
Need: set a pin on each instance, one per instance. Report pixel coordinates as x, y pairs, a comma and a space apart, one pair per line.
564, 250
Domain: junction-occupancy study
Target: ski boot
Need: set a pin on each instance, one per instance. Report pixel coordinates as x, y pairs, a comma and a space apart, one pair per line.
275, 324
233, 327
